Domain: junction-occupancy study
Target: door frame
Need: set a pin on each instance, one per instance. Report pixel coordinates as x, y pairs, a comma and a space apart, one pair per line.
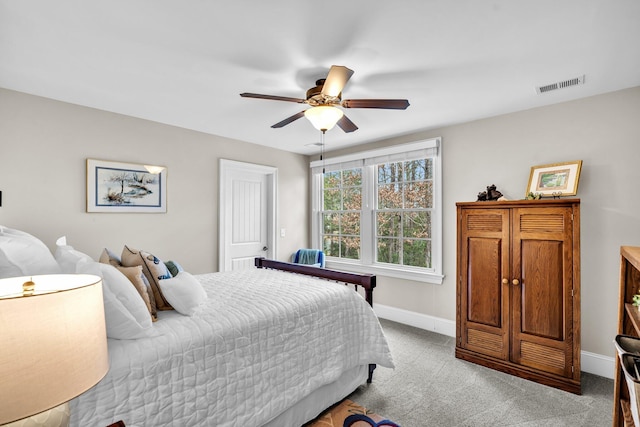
271, 173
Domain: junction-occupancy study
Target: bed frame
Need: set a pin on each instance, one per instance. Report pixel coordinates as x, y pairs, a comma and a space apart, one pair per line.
367, 281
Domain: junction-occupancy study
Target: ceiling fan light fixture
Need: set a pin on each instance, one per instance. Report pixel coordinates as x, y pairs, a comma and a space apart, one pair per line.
323, 117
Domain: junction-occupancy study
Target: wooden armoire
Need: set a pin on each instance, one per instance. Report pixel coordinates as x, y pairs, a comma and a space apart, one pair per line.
518, 288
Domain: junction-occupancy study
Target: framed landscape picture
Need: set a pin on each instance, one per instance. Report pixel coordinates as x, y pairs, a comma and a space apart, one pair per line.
125, 187
556, 179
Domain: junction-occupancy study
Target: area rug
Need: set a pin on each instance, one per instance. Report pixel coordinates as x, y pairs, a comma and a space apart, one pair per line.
350, 414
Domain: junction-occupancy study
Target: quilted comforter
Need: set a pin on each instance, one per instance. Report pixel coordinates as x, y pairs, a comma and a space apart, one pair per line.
262, 341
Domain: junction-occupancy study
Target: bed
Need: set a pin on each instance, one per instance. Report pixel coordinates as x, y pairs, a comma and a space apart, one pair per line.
267, 346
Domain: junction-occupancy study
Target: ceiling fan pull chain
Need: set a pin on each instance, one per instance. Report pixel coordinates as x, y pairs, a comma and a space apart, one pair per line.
322, 149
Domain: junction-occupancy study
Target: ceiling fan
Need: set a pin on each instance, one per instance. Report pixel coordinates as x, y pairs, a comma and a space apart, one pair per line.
325, 97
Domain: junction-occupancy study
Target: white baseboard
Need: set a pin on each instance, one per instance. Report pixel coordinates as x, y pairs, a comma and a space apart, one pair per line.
592, 363
597, 364
418, 320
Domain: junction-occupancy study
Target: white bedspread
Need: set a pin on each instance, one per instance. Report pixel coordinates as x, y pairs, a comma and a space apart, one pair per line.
264, 340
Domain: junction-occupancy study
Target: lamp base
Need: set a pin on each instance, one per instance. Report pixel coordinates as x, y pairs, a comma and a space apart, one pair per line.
54, 417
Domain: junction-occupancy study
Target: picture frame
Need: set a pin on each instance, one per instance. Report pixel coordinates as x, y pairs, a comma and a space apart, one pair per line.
125, 187
555, 179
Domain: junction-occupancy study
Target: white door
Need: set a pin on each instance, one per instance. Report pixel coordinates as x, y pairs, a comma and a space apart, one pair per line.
247, 214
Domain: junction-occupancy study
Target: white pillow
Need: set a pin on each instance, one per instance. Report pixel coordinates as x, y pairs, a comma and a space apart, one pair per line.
22, 254
67, 257
126, 314
183, 292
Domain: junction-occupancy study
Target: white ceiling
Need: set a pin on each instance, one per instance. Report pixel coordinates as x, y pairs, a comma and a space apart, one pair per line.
185, 62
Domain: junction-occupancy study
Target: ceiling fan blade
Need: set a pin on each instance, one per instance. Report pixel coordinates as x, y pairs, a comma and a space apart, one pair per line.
391, 104
273, 97
336, 79
346, 124
289, 120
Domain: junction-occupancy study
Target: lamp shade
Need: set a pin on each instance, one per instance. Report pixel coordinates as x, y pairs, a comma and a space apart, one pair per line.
323, 117
53, 344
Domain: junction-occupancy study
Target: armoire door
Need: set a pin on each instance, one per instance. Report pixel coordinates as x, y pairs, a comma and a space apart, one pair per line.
484, 298
542, 289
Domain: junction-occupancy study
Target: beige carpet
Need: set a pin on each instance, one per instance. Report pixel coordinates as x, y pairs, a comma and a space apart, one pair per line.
336, 416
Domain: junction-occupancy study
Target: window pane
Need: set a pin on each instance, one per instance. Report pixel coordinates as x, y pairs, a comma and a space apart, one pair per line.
331, 245
429, 168
417, 224
388, 224
428, 194
390, 172
351, 247
416, 253
384, 174
390, 196
388, 251
332, 199
332, 179
350, 223
330, 223
352, 177
418, 194
415, 170
352, 198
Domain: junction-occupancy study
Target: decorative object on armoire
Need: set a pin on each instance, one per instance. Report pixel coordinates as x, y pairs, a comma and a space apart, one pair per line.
629, 325
490, 194
518, 289
533, 196
125, 187
555, 180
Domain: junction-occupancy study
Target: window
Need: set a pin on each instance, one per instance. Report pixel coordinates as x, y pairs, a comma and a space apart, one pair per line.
404, 199
342, 209
379, 211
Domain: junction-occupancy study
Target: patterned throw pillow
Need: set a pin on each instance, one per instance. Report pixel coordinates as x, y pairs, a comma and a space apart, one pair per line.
153, 269
174, 267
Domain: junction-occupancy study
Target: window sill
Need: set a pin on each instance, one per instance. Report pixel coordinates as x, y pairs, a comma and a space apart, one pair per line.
380, 270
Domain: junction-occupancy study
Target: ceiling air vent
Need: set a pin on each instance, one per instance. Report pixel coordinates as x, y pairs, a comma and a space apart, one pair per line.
561, 85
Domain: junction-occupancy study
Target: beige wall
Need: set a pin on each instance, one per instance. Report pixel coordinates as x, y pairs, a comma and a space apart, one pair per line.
44, 145
604, 132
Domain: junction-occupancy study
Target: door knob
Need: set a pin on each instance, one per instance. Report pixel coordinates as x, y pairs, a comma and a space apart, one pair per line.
505, 281
264, 248
516, 282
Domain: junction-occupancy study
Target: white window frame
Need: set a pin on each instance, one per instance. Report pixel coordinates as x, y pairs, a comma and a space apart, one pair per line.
364, 159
